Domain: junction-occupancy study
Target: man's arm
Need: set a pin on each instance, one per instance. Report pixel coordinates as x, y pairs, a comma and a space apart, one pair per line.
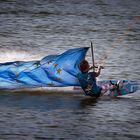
99, 71
91, 67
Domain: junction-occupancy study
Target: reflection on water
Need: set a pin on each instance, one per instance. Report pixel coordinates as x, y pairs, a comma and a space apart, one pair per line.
33, 29
88, 102
68, 117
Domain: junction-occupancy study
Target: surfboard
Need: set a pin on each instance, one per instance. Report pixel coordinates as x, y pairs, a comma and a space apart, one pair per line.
128, 87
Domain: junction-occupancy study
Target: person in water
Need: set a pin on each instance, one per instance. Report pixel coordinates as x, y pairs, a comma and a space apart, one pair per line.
87, 80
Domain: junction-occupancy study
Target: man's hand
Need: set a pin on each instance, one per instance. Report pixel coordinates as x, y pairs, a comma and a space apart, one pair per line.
101, 67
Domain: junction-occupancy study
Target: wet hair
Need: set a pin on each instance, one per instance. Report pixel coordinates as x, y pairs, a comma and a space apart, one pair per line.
84, 65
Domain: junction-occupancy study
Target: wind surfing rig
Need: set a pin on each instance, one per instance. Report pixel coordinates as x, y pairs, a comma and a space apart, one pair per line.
92, 56
77, 88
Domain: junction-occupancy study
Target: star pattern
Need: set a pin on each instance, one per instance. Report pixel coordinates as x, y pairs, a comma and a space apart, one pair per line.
37, 64
50, 84
49, 61
58, 79
59, 71
55, 65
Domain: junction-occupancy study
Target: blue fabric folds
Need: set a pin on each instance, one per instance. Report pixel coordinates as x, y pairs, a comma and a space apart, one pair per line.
53, 70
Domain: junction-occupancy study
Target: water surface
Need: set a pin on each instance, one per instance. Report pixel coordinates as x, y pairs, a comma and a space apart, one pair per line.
32, 29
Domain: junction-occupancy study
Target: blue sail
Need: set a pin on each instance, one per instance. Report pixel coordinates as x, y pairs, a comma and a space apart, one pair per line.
52, 70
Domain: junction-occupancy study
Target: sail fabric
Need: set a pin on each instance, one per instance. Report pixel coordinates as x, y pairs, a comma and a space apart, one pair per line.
51, 71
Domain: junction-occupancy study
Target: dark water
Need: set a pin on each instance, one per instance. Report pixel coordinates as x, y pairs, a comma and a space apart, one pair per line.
46, 117
31, 29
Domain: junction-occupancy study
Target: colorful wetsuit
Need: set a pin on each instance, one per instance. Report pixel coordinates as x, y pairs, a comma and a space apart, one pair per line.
88, 83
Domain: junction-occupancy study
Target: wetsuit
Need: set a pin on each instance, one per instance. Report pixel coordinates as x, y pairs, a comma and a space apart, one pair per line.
88, 83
